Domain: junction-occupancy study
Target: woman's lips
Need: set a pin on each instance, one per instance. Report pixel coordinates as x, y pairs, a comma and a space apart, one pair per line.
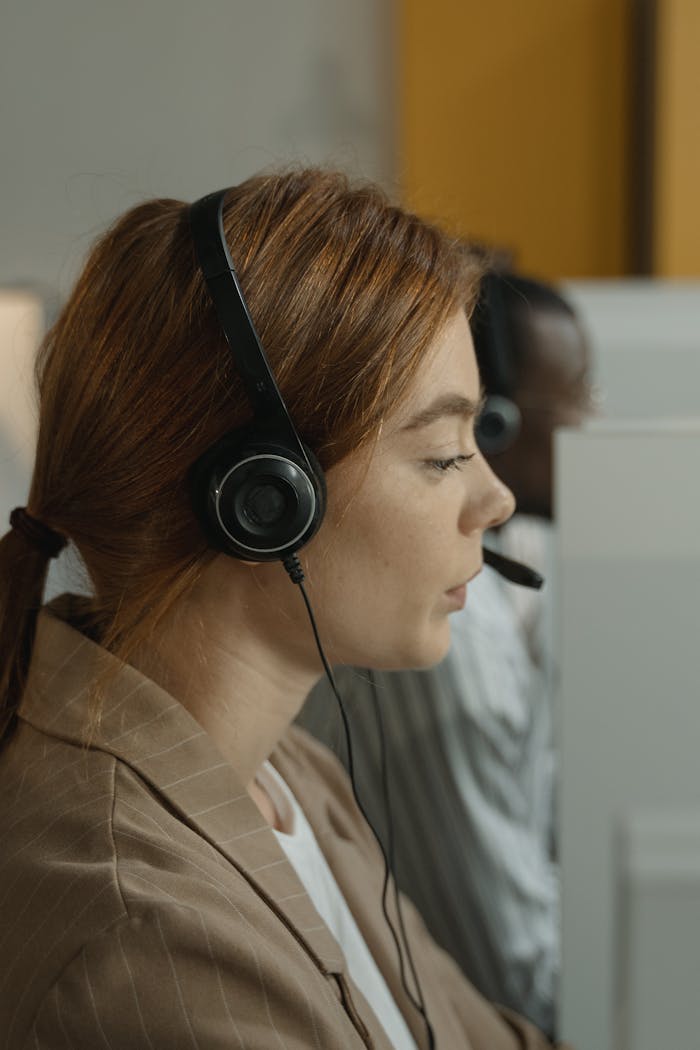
458, 595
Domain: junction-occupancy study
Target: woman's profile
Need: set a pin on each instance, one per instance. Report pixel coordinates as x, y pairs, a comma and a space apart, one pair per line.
181, 867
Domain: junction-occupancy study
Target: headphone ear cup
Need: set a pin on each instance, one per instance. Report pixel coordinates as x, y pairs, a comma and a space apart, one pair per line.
256, 499
498, 425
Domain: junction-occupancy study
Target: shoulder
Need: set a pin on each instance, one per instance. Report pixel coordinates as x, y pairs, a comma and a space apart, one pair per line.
88, 850
119, 917
57, 803
58, 883
170, 977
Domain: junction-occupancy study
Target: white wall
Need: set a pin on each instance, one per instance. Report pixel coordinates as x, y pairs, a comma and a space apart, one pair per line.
102, 104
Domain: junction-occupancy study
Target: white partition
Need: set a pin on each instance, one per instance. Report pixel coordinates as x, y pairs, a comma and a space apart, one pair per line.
645, 337
659, 883
628, 712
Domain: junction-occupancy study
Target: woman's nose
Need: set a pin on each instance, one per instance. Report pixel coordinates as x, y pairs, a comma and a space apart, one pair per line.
503, 502
492, 505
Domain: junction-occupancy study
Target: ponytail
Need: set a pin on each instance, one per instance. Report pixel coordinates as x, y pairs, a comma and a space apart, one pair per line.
25, 553
23, 570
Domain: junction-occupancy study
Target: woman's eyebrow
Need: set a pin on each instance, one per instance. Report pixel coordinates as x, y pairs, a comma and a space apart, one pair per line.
446, 405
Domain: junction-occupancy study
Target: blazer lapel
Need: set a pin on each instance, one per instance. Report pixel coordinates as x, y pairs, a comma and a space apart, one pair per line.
355, 860
150, 731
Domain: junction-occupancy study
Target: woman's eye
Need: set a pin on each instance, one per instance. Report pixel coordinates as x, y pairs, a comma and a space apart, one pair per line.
454, 463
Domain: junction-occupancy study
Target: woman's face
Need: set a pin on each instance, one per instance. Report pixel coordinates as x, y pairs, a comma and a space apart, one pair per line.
403, 529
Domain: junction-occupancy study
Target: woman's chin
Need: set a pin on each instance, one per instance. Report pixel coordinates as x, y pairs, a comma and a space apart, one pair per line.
421, 654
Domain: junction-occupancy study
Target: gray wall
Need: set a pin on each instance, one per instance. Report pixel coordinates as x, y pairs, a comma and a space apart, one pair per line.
104, 104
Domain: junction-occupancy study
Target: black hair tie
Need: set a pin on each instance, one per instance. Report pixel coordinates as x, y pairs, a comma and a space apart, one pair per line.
42, 537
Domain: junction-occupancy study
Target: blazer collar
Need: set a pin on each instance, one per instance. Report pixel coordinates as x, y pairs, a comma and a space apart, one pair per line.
149, 730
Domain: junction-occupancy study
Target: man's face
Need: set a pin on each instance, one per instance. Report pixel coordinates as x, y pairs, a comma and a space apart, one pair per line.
553, 391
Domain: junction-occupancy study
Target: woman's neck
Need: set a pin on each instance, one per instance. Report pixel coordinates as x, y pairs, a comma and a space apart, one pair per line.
233, 659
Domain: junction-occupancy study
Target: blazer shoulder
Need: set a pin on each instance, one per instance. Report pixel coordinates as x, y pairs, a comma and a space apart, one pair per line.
173, 974
58, 875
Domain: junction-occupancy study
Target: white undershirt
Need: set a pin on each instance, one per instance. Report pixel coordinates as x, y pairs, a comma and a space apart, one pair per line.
299, 844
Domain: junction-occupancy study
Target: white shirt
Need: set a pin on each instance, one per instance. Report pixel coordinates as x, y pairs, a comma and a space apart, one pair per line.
299, 844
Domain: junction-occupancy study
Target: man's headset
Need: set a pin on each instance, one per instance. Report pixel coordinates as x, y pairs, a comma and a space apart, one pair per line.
259, 492
499, 423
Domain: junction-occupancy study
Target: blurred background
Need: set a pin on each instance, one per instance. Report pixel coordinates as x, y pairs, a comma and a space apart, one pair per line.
567, 134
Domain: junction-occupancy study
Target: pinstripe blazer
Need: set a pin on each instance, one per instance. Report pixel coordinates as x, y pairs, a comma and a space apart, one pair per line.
145, 904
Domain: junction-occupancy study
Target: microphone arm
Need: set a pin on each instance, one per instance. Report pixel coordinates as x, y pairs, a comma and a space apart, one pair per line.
513, 570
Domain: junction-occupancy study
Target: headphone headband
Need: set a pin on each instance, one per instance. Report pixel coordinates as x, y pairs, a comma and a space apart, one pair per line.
206, 223
259, 492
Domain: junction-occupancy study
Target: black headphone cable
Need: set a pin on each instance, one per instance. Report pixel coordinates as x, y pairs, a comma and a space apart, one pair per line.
296, 574
384, 767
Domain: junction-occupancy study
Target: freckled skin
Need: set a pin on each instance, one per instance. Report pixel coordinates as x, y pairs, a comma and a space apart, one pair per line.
398, 532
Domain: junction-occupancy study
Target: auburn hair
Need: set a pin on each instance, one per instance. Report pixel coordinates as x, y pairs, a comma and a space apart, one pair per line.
135, 380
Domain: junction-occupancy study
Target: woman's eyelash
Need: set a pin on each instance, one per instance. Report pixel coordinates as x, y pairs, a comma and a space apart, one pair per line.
454, 463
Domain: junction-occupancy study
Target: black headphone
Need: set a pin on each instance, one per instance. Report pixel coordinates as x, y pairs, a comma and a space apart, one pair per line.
499, 422
259, 492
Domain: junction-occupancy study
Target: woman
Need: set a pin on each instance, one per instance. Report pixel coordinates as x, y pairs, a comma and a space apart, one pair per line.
161, 882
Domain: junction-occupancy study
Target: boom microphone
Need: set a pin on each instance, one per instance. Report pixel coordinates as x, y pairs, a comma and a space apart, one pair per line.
512, 570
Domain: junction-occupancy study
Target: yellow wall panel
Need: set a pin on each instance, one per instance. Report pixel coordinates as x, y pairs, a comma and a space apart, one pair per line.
677, 153
512, 126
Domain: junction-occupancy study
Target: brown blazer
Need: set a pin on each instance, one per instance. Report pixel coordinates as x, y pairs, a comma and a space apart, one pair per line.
146, 905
